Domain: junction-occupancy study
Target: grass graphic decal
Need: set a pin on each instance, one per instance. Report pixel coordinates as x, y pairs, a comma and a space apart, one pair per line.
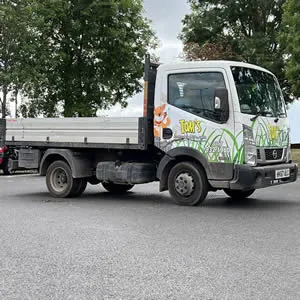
220, 144
267, 135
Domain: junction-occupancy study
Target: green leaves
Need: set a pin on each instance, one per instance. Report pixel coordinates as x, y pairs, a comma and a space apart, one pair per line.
290, 38
94, 52
13, 49
81, 55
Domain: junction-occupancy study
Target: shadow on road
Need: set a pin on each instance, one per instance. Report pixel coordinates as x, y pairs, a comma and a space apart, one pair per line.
100, 197
138, 198
249, 203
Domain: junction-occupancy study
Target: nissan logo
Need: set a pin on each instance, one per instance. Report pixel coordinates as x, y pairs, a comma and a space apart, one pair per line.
275, 155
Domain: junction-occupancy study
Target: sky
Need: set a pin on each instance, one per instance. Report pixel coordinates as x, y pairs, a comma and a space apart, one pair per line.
294, 118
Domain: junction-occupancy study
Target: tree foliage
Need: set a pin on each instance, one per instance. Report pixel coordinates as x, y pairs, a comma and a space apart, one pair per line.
212, 51
247, 28
14, 49
81, 55
290, 38
89, 54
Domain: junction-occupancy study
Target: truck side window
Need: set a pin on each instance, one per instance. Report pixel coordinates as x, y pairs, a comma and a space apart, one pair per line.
194, 92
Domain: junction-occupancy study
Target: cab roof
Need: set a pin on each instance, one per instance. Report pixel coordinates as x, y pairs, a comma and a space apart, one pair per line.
225, 64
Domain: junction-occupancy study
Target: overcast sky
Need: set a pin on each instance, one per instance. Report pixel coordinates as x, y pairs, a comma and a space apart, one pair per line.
294, 118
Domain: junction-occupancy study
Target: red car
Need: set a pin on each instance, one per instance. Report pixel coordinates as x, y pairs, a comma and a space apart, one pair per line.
4, 160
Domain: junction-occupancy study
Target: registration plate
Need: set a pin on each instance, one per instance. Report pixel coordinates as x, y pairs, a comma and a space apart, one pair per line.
279, 174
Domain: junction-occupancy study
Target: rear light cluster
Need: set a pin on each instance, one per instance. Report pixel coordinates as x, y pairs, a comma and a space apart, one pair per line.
2, 151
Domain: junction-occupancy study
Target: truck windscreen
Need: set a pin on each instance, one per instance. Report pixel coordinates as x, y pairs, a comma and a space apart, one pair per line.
259, 92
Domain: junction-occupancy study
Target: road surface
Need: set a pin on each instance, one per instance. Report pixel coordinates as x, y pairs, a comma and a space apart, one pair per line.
142, 246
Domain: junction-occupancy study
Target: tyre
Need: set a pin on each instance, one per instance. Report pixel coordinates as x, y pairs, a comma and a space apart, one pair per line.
59, 180
93, 180
187, 184
238, 195
6, 170
79, 187
117, 188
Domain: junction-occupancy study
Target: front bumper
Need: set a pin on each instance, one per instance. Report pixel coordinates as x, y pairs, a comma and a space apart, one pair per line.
248, 178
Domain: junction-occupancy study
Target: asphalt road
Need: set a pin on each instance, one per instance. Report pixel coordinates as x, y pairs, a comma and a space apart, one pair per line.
142, 246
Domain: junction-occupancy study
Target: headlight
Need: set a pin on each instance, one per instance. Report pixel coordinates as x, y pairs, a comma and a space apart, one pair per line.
249, 146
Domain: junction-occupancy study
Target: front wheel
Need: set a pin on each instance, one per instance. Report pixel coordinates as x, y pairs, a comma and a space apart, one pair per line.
117, 188
187, 184
237, 194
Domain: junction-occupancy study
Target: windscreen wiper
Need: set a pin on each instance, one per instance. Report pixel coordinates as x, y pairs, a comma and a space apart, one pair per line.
278, 116
261, 113
255, 117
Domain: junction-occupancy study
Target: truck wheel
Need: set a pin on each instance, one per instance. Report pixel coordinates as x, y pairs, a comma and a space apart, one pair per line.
59, 180
6, 170
237, 194
79, 188
187, 184
117, 188
93, 180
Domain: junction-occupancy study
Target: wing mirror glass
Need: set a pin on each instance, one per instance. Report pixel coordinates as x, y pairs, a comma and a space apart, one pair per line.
222, 104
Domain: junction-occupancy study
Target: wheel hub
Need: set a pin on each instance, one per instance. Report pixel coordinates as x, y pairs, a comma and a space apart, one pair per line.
59, 179
184, 184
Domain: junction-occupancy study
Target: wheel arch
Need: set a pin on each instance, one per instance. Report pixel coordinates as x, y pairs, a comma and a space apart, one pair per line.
79, 164
176, 156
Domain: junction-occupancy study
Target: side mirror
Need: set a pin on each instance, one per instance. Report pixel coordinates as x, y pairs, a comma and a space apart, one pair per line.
222, 104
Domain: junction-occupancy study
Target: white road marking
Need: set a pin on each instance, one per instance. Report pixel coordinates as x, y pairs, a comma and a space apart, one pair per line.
18, 176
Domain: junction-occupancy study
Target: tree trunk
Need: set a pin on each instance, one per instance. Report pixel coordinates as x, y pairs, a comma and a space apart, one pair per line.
4, 102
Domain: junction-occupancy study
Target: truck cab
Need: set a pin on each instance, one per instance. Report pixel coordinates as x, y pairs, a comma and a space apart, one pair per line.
226, 119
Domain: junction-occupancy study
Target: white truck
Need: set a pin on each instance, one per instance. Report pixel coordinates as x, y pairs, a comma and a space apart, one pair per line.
206, 126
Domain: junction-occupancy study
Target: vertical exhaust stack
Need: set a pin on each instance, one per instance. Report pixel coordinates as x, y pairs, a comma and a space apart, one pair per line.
146, 136
146, 84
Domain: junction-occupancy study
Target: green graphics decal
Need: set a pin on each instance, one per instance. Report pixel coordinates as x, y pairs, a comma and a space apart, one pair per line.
216, 144
219, 143
267, 134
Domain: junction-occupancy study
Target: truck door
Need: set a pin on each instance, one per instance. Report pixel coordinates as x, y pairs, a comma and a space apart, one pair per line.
185, 116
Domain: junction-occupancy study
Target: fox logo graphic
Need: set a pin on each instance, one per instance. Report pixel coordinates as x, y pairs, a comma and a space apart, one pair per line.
161, 119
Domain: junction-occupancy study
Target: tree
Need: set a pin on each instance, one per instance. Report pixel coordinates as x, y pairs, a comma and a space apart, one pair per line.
13, 49
248, 28
193, 51
88, 54
290, 37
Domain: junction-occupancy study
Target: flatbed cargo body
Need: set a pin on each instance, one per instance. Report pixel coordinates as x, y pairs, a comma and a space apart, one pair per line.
74, 132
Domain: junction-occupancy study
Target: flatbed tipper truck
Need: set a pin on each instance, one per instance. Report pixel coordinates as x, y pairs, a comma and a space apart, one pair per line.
206, 126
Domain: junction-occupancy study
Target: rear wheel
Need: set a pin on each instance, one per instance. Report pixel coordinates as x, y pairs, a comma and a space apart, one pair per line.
117, 188
60, 182
238, 195
79, 188
187, 184
6, 170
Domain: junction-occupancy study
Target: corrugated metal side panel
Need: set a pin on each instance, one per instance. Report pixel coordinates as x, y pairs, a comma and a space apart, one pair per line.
74, 130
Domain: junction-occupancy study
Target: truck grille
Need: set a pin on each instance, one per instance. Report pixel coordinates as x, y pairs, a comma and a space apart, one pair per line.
273, 154
258, 154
